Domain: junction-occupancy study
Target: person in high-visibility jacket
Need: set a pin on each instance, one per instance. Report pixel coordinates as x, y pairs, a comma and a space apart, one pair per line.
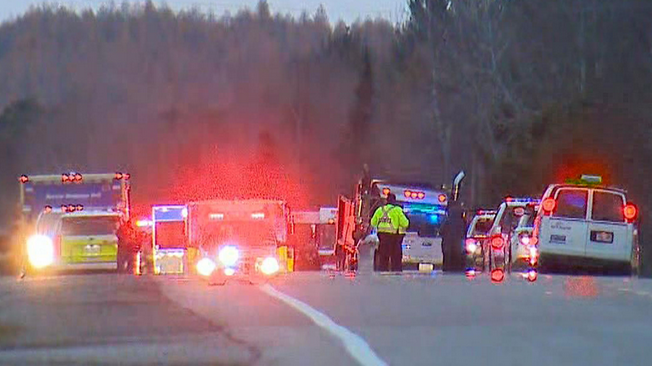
390, 223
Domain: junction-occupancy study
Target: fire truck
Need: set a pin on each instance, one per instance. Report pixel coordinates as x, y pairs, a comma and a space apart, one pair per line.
249, 239
425, 207
69, 220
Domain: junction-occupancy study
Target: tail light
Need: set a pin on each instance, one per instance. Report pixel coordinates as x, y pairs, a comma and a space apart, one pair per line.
497, 275
630, 212
497, 242
23, 179
549, 205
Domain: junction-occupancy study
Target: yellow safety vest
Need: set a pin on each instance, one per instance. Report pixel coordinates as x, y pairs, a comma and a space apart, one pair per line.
390, 219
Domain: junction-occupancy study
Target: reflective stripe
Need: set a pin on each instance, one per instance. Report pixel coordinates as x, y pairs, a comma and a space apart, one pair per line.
385, 219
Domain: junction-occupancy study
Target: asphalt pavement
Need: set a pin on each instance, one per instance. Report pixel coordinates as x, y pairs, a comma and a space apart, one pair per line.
325, 318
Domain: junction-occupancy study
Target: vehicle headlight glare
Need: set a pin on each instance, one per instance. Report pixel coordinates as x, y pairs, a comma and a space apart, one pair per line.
40, 251
229, 255
269, 266
205, 267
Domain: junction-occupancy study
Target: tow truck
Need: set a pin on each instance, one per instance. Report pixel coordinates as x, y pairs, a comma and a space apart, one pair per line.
73, 218
244, 239
425, 207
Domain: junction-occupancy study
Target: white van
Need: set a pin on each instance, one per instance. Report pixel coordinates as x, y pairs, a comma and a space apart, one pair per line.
583, 222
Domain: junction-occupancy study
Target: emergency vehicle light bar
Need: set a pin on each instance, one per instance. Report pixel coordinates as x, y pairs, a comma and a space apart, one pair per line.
120, 175
523, 200
71, 177
23, 179
71, 208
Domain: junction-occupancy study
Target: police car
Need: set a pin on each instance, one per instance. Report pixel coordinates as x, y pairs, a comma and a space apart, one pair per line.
501, 234
524, 250
476, 234
584, 222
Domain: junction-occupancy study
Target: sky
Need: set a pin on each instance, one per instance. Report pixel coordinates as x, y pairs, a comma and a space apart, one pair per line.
346, 10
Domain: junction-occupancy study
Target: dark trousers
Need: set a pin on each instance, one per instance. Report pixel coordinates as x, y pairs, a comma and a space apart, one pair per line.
390, 252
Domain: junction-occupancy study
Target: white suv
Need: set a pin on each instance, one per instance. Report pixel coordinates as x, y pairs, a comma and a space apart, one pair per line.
585, 222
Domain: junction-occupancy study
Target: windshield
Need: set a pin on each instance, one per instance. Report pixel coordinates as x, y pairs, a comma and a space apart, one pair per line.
99, 225
482, 226
239, 233
426, 220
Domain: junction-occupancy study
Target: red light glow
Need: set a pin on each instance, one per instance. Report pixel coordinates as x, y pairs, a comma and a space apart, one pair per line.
422, 195
442, 198
549, 205
497, 242
23, 179
65, 178
630, 211
497, 275
118, 176
408, 193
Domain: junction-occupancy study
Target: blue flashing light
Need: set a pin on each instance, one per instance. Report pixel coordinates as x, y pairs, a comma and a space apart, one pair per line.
435, 219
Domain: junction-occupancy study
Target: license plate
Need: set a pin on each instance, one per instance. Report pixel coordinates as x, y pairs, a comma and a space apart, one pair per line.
92, 250
426, 267
602, 237
558, 239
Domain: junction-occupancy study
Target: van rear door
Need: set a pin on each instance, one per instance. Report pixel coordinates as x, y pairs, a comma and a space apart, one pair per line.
608, 234
565, 231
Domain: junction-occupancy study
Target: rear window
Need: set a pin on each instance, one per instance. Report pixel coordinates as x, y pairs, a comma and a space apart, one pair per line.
482, 226
607, 206
101, 225
571, 203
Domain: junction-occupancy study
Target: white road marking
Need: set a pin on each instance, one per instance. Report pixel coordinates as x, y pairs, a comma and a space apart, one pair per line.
353, 343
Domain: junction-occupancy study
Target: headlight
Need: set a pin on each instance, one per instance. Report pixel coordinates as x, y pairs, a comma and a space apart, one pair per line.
229, 256
471, 246
40, 251
205, 267
269, 266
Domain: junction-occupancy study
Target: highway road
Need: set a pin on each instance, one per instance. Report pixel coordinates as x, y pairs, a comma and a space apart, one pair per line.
325, 318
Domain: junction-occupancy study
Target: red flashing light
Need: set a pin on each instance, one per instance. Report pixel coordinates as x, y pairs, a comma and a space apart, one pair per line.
119, 175
23, 179
127, 176
497, 242
509, 199
48, 209
71, 208
422, 195
64, 208
630, 211
549, 205
80, 207
408, 193
65, 178
532, 275
442, 198
386, 191
414, 195
497, 275
78, 177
